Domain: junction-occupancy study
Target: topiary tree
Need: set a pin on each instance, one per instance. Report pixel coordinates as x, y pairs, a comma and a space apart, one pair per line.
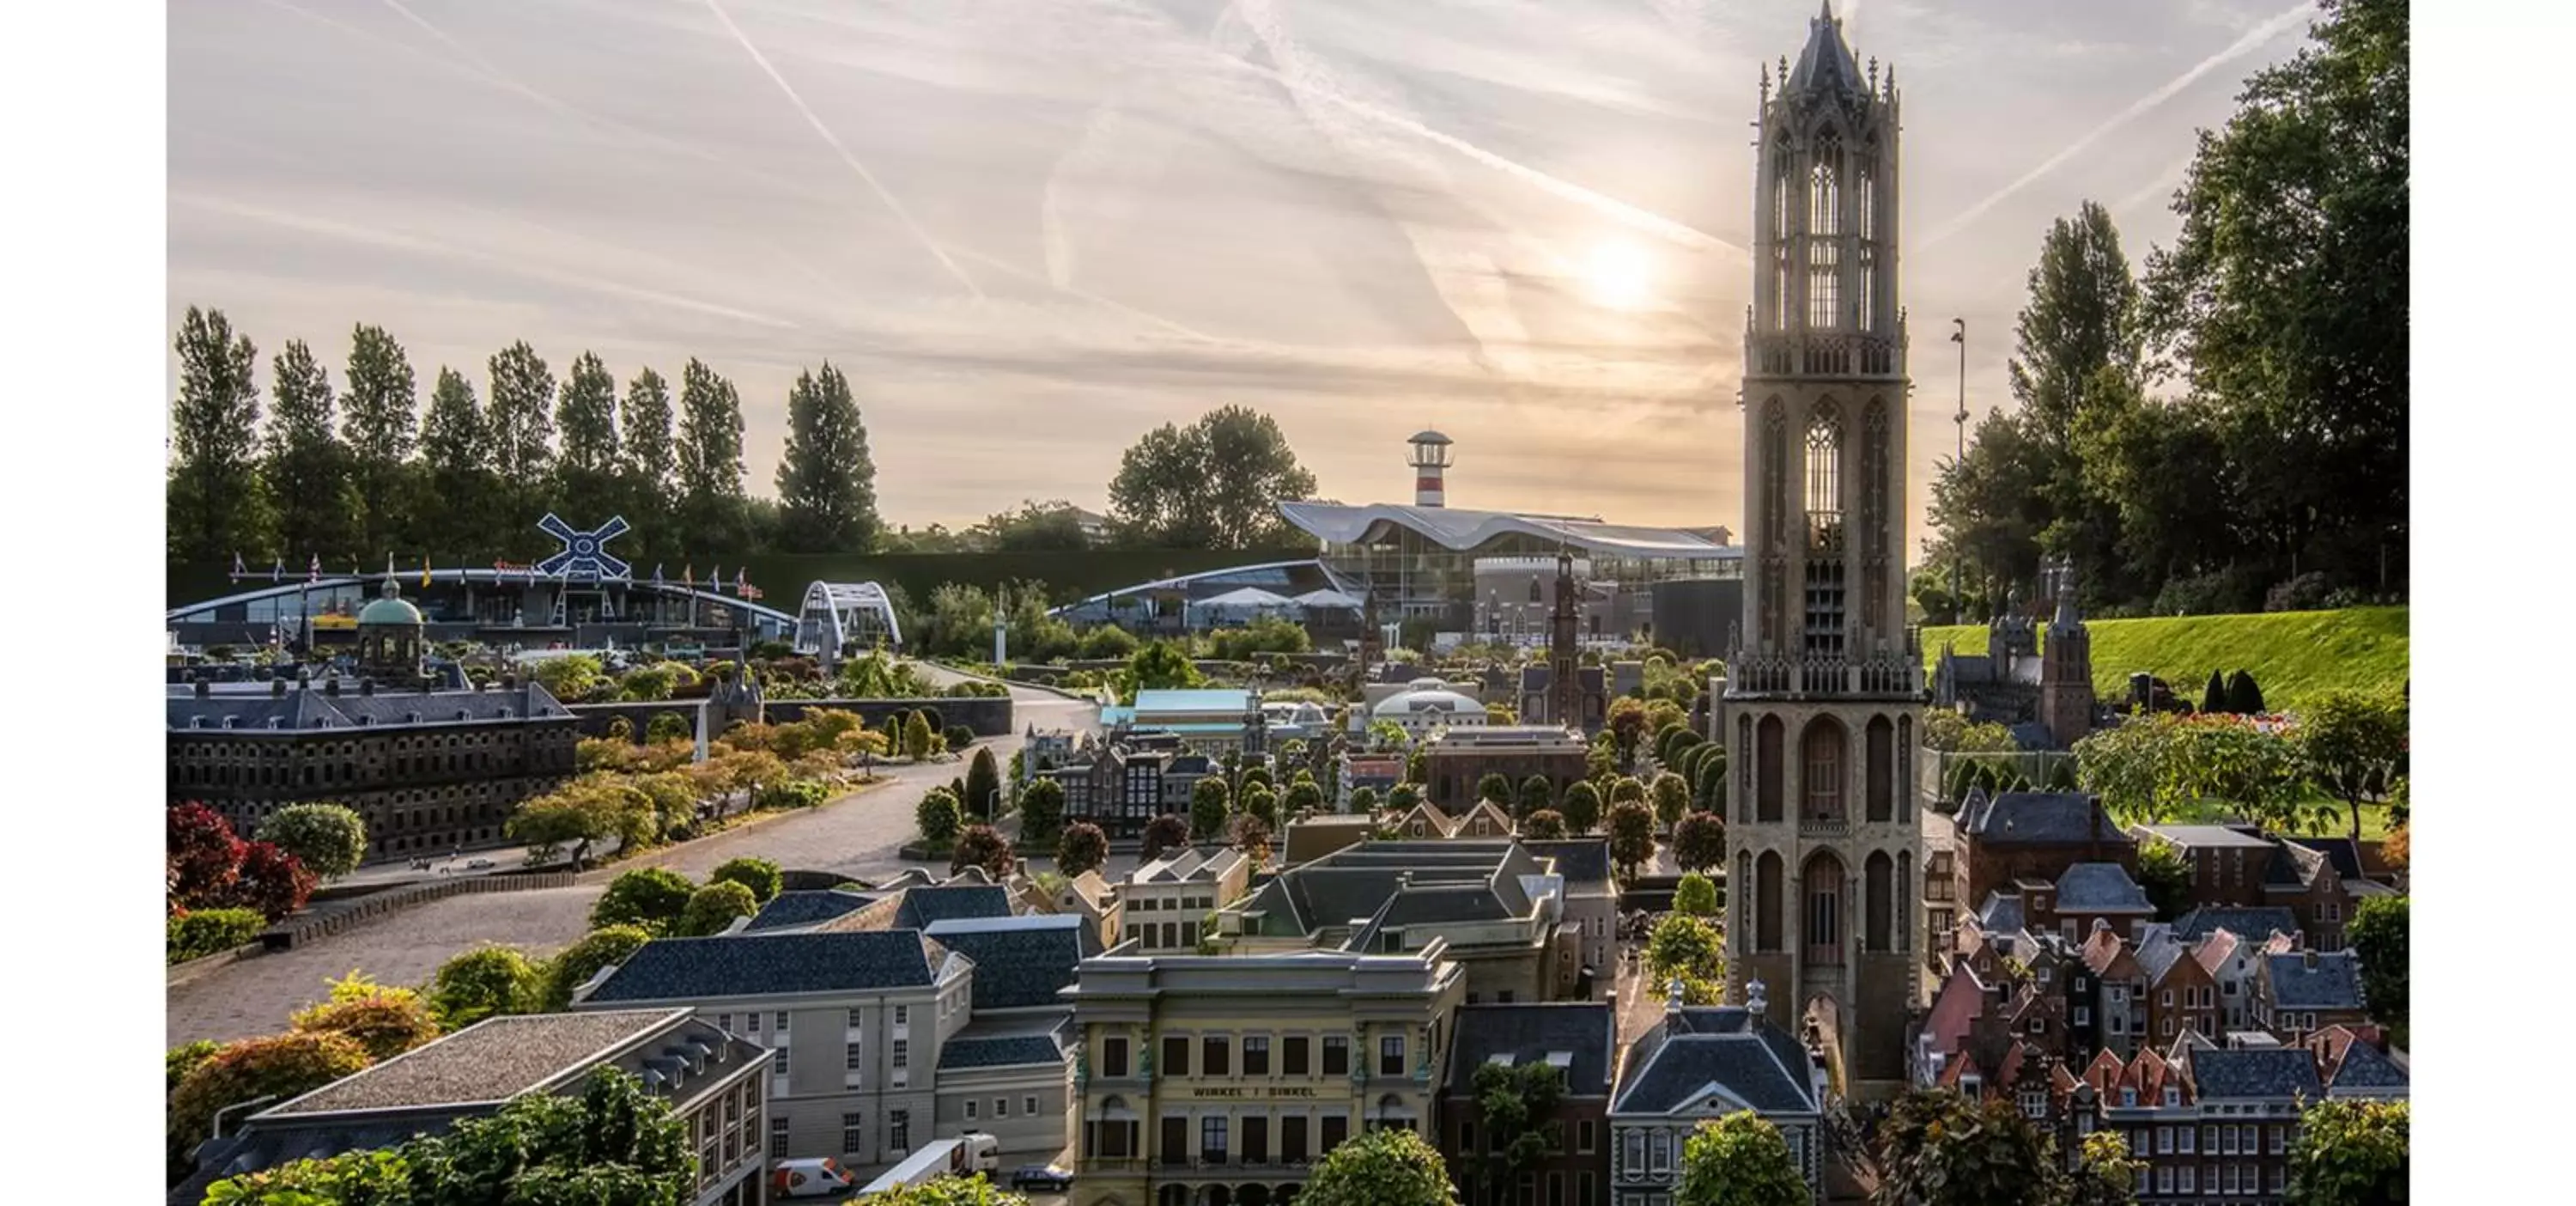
1582, 808
1402, 797
482, 982
1696, 895
1041, 810
938, 816
983, 846
1671, 796
2243, 697
1740, 1160
329, 839
279, 1066
1536, 793
574, 965
1544, 825
1699, 841
983, 785
916, 737
1688, 948
1083, 847
650, 898
1304, 797
1390, 1167
1210, 804
2213, 698
1164, 833
1258, 802
758, 874
712, 909
1627, 789
1495, 787
1632, 837
1364, 801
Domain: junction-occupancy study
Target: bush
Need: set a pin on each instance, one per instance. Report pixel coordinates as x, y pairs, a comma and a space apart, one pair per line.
384, 1022
2307, 592
650, 898
482, 982
1083, 847
938, 816
204, 932
957, 737
983, 846
1543, 825
573, 966
2228, 590
669, 726
2243, 697
1696, 896
1107, 642
758, 874
329, 839
713, 907
281, 1066
204, 855
179, 1061
792, 793
271, 881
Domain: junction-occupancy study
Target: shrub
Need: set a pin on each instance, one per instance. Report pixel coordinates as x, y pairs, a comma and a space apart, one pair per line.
957, 736
1364, 800
758, 874
2307, 592
1671, 797
669, 726
713, 907
329, 839
983, 782
1544, 825
649, 898
280, 1066
1165, 833
916, 737
573, 966
620, 729
938, 816
384, 1022
183, 1059
482, 982
1083, 847
1699, 841
2243, 697
983, 846
271, 881
1696, 896
204, 932
791, 793
1107, 642
1495, 787
204, 855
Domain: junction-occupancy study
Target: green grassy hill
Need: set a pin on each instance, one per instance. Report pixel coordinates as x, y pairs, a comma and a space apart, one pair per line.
2294, 655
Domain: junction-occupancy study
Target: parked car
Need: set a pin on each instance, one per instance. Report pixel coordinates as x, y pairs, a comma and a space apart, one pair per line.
1048, 1177
815, 1177
481, 864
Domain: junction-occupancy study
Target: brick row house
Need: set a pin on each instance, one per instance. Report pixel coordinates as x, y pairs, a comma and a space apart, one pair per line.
1580, 1040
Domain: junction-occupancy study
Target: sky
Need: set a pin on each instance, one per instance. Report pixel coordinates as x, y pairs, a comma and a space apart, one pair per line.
1031, 230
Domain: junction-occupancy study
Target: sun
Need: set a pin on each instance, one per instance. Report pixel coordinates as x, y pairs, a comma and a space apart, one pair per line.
1618, 275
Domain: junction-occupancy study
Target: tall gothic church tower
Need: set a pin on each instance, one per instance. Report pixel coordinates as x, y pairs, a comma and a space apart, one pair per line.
1825, 685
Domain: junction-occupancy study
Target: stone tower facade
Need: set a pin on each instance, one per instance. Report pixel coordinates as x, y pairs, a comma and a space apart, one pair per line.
2066, 667
1825, 687
1564, 674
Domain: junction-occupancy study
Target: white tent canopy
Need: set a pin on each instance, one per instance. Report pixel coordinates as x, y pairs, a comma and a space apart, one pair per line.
1326, 598
1249, 598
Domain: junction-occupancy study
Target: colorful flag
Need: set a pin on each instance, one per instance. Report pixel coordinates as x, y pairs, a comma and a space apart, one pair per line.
715, 580
313, 570
424, 573
740, 585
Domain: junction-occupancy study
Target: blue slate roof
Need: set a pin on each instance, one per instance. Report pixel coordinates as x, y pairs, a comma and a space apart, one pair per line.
2251, 924
315, 708
2340, 851
2253, 1073
970, 1050
1528, 1034
2158, 954
746, 965
2000, 913
2100, 888
924, 907
2334, 983
2365, 1067
1582, 861
791, 910
1019, 961
1741, 1065
2037, 818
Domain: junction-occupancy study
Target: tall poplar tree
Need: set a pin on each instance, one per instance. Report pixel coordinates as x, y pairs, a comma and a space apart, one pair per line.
379, 420
307, 470
710, 462
827, 492
586, 469
455, 466
645, 460
217, 505
519, 430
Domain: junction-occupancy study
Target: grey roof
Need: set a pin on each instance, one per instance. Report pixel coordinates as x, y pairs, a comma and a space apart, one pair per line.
1583, 862
2037, 818
790, 910
1582, 1030
748, 965
2100, 888
493, 1060
2251, 924
923, 907
2159, 953
1696, 1051
1826, 62
2367, 1067
2220, 836
1019, 961
2254, 1072
982, 1046
2343, 852
2000, 912
1399, 883
2334, 983
314, 708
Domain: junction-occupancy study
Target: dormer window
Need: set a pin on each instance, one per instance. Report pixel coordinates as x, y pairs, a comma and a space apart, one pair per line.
2173, 1097
2129, 1096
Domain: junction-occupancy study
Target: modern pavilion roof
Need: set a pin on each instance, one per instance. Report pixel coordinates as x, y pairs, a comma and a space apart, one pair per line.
1463, 530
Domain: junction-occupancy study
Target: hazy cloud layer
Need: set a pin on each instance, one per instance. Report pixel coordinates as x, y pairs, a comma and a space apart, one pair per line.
1031, 229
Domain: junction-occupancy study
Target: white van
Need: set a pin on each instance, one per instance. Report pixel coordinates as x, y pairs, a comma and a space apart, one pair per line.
813, 1177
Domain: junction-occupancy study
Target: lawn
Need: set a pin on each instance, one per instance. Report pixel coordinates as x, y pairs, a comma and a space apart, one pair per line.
2294, 656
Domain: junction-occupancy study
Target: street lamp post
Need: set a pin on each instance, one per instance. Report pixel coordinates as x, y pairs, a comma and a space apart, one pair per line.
1959, 336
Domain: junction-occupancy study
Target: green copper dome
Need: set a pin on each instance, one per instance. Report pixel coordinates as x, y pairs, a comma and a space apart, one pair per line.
390, 610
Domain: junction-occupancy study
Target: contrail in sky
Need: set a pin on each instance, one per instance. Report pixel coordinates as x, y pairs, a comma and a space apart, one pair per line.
901, 215
2159, 188
2238, 49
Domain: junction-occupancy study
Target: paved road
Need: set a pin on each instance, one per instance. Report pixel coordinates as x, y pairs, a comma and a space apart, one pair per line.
856, 836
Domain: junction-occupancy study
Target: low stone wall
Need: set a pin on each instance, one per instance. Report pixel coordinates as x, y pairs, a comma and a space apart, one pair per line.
985, 716
336, 916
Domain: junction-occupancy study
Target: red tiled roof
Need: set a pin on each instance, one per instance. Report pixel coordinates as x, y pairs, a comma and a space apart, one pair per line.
2216, 949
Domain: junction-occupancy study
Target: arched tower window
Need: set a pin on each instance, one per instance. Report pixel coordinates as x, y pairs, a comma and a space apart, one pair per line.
1821, 753
1824, 231
1783, 170
1882, 770
1775, 491
1822, 934
1824, 569
1825, 462
1878, 878
1767, 754
1865, 206
1766, 896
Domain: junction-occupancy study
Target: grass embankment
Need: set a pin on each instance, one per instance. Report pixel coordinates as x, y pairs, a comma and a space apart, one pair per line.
2295, 656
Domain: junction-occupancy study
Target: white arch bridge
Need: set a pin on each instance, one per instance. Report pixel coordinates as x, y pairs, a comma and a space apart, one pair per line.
836, 616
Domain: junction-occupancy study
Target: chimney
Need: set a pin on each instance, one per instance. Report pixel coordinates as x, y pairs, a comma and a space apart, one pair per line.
2309, 957
204, 688
331, 686
276, 688
366, 686
1754, 1000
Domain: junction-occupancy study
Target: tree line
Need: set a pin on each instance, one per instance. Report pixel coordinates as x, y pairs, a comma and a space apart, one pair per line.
363, 470
2276, 479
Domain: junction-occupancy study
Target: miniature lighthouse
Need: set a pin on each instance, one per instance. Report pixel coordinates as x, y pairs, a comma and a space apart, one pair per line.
1430, 461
